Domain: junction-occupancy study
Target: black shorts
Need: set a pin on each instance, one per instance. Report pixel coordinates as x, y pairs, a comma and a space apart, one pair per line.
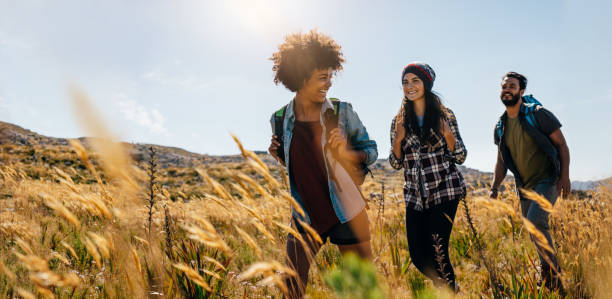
355, 231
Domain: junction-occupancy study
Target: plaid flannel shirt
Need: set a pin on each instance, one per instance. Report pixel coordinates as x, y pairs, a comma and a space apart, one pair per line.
433, 165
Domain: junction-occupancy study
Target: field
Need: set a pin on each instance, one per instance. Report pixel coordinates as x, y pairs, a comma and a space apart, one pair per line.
89, 221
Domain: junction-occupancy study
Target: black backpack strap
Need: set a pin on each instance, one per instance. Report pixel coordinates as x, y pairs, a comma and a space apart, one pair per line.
279, 120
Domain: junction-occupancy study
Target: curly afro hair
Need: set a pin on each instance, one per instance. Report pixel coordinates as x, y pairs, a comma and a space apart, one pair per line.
301, 54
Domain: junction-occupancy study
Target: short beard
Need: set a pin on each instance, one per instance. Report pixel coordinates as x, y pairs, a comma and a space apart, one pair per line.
511, 103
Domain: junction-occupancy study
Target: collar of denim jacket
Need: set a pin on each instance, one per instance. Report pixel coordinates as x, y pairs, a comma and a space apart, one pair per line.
289, 114
326, 106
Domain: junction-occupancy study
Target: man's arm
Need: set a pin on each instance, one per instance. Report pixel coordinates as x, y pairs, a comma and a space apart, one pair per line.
564, 184
498, 176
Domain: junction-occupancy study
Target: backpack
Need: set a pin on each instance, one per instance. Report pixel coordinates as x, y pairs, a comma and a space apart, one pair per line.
531, 105
331, 122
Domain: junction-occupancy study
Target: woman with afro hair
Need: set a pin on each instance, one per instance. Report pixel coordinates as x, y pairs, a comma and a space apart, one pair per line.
325, 149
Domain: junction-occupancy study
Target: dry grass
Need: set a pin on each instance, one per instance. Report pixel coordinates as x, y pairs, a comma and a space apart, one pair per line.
55, 229
79, 230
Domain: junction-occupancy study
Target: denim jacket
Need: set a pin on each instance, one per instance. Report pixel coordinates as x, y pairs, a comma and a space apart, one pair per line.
347, 200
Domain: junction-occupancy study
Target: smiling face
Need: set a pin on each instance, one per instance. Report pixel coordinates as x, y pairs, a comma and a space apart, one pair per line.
316, 87
511, 91
413, 87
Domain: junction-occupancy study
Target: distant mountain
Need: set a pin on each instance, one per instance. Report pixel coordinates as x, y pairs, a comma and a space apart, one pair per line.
177, 157
168, 156
13, 134
586, 185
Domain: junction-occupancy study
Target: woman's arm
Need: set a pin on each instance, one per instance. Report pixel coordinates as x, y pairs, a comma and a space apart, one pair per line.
458, 152
359, 139
345, 152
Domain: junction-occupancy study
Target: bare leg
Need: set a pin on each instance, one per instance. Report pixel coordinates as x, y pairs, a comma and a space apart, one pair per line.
363, 249
299, 259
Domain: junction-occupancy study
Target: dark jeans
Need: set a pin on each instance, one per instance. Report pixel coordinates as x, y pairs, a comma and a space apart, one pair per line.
534, 213
421, 229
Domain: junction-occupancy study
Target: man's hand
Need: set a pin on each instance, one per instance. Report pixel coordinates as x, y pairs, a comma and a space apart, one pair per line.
564, 186
498, 175
273, 149
493, 193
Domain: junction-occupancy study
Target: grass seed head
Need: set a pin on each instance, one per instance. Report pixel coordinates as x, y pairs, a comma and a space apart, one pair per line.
537, 235
4, 269
214, 262
539, 199
193, 275
70, 249
91, 248
249, 241
61, 210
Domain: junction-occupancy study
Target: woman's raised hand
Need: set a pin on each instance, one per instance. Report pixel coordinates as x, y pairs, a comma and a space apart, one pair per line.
400, 134
447, 133
400, 130
445, 128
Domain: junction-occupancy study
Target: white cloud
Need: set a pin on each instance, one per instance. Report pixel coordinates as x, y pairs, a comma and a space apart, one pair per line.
151, 119
182, 82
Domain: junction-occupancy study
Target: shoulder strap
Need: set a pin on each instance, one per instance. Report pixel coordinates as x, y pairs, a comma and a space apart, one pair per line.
331, 117
530, 99
279, 119
499, 129
528, 110
336, 103
531, 105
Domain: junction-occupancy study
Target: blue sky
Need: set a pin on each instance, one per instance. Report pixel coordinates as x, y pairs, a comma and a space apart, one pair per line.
186, 73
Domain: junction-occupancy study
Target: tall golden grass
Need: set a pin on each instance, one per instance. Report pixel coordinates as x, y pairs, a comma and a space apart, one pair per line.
81, 232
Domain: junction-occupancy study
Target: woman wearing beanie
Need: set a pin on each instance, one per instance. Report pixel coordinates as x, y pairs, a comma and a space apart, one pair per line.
426, 142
